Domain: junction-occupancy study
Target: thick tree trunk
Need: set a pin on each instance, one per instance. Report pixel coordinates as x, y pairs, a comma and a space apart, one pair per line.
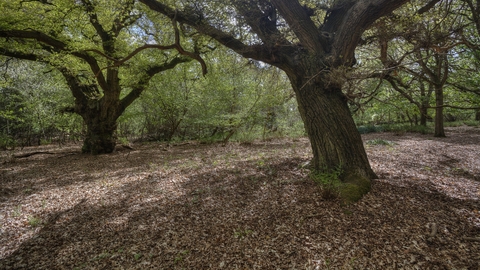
100, 138
101, 122
439, 129
335, 140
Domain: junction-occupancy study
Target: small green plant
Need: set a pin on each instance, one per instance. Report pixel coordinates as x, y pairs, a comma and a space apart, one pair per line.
34, 221
44, 203
369, 129
17, 211
101, 256
242, 233
472, 123
6, 142
379, 142
45, 142
181, 256
123, 141
137, 256
453, 124
401, 129
330, 182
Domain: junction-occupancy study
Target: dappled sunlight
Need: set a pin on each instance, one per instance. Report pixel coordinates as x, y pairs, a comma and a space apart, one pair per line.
202, 206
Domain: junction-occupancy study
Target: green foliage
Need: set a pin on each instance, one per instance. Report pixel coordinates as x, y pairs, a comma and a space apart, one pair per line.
34, 221
329, 181
179, 258
379, 142
369, 129
31, 107
238, 100
137, 256
472, 123
402, 128
242, 233
6, 141
17, 211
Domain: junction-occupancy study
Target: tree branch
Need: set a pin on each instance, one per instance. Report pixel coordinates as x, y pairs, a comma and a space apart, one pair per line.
104, 35
147, 76
195, 20
58, 46
301, 24
36, 35
355, 21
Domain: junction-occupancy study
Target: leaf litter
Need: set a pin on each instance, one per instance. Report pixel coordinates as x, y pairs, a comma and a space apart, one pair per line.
241, 206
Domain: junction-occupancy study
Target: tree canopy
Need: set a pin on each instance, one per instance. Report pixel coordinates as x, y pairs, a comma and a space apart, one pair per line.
107, 52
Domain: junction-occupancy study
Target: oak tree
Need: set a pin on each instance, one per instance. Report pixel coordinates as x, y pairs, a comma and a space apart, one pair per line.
105, 50
311, 41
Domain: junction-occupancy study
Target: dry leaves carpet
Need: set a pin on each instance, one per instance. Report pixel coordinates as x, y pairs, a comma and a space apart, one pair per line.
241, 207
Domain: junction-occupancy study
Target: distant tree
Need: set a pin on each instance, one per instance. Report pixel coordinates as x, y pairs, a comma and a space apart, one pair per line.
105, 51
417, 54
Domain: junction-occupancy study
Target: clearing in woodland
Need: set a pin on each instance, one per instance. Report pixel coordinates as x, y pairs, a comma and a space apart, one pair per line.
248, 206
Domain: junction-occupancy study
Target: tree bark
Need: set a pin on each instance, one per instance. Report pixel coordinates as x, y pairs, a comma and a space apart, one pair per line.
423, 115
334, 146
309, 63
100, 137
439, 129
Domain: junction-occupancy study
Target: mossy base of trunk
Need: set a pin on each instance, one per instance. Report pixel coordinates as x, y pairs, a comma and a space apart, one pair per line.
99, 144
353, 188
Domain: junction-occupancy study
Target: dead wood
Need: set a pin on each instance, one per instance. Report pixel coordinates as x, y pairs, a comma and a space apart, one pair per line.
32, 154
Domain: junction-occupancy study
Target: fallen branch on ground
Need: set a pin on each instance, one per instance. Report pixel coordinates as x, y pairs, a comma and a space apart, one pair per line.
32, 154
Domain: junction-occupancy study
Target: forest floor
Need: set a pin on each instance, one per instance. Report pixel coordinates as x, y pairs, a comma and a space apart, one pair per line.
241, 206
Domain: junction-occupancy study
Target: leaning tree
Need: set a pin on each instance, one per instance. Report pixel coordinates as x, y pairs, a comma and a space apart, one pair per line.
312, 42
107, 51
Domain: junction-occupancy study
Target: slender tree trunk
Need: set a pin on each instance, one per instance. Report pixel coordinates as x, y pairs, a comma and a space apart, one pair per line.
335, 140
423, 115
477, 115
439, 129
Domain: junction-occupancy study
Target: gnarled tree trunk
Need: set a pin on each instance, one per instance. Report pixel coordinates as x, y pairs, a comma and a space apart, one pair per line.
336, 145
308, 62
100, 137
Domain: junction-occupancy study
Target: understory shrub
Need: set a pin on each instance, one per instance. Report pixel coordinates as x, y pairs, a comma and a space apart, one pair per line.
369, 129
379, 142
402, 128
